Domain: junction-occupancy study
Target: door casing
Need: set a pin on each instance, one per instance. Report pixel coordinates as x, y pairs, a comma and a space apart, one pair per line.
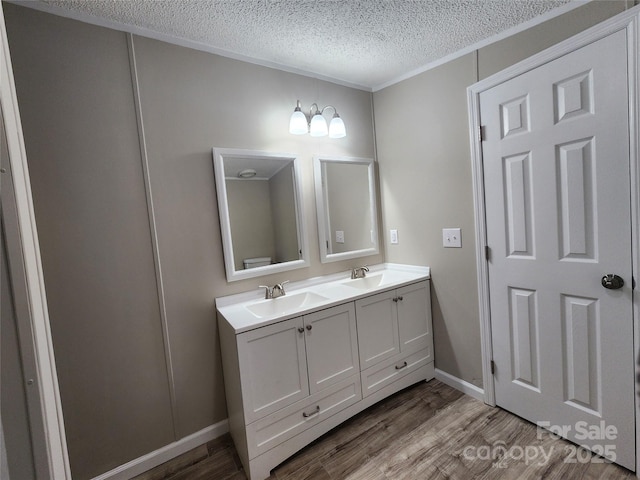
25, 237
630, 22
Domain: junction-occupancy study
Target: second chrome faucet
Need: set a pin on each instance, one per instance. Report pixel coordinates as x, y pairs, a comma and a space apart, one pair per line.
359, 272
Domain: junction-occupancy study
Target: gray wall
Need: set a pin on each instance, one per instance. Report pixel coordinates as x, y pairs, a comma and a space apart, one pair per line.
425, 174
139, 366
251, 220
347, 185
262, 214
76, 102
283, 211
499, 55
425, 177
192, 101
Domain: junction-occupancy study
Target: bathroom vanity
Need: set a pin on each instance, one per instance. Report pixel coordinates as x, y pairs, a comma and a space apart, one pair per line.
299, 365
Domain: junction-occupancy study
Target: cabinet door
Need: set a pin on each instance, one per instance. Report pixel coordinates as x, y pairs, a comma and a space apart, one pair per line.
414, 318
274, 367
377, 319
332, 346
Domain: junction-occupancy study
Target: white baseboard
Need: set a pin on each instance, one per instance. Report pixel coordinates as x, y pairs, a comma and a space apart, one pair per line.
158, 457
166, 453
459, 384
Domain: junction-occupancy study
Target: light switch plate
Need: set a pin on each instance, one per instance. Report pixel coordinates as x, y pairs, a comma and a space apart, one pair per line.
339, 236
451, 238
393, 235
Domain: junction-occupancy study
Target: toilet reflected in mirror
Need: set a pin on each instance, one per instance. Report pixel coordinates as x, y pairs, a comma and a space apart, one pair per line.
256, 262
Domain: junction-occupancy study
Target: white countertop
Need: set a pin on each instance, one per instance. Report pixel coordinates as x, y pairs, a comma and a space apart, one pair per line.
249, 310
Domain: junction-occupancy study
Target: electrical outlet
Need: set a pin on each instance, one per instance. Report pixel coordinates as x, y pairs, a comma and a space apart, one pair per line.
451, 238
339, 236
393, 235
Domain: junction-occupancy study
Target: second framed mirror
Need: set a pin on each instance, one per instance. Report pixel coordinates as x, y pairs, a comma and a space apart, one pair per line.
346, 202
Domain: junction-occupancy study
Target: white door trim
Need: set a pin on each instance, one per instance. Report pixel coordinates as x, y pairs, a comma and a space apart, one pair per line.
629, 21
56, 445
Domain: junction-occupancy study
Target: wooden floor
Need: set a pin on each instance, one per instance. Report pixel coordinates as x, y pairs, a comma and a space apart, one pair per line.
428, 431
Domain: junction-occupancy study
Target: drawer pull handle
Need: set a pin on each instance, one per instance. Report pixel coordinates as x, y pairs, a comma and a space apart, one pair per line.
404, 364
315, 412
300, 329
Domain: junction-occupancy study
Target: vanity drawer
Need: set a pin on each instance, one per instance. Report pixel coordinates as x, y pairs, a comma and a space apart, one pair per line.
384, 373
274, 429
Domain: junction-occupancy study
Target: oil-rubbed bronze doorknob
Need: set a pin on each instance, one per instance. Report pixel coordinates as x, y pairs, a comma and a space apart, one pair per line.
612, 282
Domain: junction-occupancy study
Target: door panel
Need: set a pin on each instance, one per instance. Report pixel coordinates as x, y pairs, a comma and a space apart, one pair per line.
414, 318
332, 346
557, 193
524, 324
580, 332
519, 204
276, 351
377, 320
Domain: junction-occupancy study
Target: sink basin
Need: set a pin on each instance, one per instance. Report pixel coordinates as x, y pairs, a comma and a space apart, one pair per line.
372, 281
287, 303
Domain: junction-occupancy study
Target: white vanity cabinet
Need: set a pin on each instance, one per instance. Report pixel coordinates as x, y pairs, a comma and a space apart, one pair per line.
394, 334
286, 376
292, 378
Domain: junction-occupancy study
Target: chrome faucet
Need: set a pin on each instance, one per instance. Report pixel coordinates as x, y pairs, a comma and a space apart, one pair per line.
274, 292
359, 272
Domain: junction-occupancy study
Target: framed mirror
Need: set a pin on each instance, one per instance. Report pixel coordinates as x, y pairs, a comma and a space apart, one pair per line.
346, 204
260, 209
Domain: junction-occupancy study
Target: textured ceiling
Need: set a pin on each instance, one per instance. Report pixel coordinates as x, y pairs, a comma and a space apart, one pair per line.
365, 43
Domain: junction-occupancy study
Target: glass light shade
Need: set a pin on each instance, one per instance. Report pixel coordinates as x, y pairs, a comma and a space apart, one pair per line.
336, 127
318, 126
298, 123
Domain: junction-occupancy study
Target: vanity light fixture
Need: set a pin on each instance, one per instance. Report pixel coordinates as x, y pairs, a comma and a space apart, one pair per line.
317, 126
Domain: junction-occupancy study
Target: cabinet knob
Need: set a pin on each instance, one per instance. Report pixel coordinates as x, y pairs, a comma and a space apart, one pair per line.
300, 329
309, 327
395, 299
400, 298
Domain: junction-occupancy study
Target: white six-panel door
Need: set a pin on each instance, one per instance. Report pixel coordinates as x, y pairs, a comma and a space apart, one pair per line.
557, 199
